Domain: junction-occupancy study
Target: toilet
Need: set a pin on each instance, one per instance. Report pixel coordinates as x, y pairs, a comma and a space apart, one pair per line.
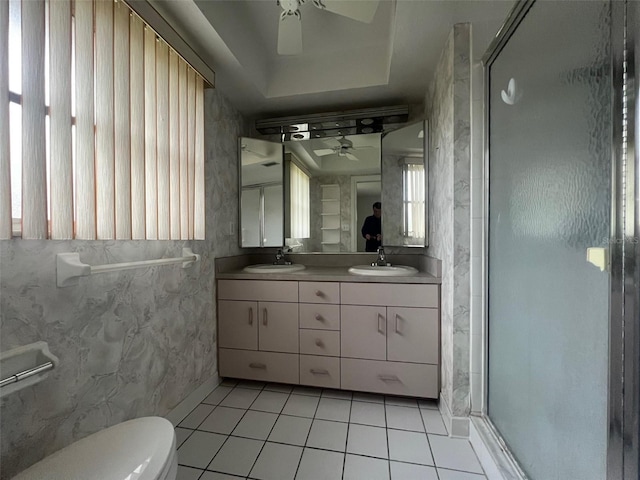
140, 449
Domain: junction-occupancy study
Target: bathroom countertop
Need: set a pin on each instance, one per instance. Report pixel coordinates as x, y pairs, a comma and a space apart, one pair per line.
328, 274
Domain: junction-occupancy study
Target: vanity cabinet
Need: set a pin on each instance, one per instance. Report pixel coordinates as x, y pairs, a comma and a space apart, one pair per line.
258, 330
387, 347
371, 337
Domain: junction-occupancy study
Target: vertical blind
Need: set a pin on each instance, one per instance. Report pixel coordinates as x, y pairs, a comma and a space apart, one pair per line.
413, 202
299, 202
103, 133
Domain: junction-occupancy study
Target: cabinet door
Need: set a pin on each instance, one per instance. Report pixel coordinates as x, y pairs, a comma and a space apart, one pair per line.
363, 332
278, 327
238, 324
412, 335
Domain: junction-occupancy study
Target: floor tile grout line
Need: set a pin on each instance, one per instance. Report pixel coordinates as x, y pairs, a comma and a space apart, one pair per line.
386, 434
265, 441
433, 457
229, 434
344, 459
462, 471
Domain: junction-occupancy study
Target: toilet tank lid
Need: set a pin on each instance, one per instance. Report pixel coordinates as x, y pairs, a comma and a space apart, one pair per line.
139, 449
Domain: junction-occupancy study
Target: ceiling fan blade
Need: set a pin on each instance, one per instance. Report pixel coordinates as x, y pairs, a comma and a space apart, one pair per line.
324, 151
362, 11
290, 33
332, 142
351, 157
362, 147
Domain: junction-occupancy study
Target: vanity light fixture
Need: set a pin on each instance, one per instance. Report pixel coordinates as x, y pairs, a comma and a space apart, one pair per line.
351, 122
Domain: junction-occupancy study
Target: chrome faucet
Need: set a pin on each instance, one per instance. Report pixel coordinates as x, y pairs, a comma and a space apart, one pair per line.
382, 258
281, 259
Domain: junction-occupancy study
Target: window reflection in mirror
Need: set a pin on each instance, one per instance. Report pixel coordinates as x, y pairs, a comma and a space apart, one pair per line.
261, 194
334, 203
404, 190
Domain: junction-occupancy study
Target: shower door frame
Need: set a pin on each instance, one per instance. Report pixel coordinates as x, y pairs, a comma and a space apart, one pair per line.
624, 311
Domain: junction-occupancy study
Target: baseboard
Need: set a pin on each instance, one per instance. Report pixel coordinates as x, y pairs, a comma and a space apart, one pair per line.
196, 397
456, 426
497, 462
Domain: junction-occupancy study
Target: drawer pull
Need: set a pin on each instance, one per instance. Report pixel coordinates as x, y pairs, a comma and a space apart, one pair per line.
316, 371
319, 317
381, 323
389, 378
319, 293
319, 343
260, 366
250, 315
264, 317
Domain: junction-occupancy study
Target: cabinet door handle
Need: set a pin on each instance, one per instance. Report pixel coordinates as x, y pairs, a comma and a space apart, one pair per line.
381, 322
260, 366
319, 343
264, 317
389, 378
319, 317
250, 315
397, 324
316, 371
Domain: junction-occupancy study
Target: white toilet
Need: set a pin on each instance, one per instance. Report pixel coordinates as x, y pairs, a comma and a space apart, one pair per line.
140, 449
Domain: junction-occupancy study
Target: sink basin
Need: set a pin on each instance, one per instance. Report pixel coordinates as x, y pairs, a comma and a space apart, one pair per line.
271, 268
388, 271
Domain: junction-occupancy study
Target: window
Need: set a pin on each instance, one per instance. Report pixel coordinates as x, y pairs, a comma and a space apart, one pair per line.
102, 137
299, 202
413, 202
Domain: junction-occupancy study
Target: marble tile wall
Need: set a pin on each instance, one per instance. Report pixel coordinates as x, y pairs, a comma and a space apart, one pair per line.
448, 111
130, 343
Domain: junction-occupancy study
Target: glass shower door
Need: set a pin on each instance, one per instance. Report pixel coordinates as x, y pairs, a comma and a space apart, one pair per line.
550, 200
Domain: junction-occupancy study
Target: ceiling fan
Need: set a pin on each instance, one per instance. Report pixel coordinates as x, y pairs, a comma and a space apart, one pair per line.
341, 147
290, 28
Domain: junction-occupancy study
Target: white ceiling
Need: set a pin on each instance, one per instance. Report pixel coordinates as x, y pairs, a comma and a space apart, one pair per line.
345, 64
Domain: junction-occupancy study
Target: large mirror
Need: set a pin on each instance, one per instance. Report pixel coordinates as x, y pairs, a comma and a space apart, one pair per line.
333, 183
261, 180
404, 170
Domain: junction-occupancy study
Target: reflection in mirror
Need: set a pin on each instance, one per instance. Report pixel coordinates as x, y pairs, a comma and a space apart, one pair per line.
404, 170
261, 195
330, 182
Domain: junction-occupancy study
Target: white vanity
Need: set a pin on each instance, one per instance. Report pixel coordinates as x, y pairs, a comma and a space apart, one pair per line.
341, 333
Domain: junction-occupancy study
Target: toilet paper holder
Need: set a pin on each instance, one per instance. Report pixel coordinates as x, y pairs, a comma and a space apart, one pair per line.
25, 366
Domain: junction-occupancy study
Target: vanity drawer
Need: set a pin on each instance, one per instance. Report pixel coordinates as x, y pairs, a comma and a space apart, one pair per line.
395, 378
320, 342
261, 290
320, 371
266, 366
321, 317
319, 292
391, 295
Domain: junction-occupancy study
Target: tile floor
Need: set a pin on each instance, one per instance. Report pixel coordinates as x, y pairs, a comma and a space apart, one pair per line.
280, 432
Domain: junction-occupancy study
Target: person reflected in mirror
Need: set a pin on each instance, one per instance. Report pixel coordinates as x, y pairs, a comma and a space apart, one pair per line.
372, 229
